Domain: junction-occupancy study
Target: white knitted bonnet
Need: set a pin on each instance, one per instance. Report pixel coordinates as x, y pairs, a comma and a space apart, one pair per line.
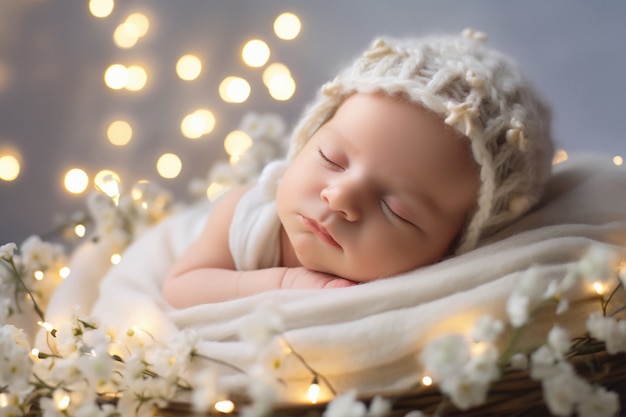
476, 90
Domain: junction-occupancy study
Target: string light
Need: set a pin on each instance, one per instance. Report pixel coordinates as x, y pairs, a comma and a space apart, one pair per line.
46, 326
598, 287
116, 76
101, 8
314, 391
281, 87
255, 53
64, 272
119, 133
137, 78
224, 406
287, 26
116, 258
236, 143
618, 160
4, 399
108, 182
61, 399
9, 167
214, 190
188, 67
80, 230
427, 381
38, 275
169, 165
197, 124
234, 90
76, 181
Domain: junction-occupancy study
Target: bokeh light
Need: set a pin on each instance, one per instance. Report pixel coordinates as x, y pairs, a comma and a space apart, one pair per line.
273, 70
196, 124
116, 77
140, 22
255, 53
125, 35
9, 167
101, 8
559, 156
188, 67
618, 160
76, 180
119, 133
281, 87
108, 182
137, 78
287, 26
169, 165
234, 90
236, 143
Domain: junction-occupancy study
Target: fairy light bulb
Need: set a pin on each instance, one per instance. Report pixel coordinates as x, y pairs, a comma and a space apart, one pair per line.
4, 400
314, 391
61, 399
224, 406
46, 326
64, 272
38, 275
80, 230
598, 288
427, 381
116, 258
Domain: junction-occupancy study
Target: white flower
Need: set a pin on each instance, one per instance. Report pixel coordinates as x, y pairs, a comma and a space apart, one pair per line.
558, 340
612, 332
544, 363
37, 254
379, 407
463, 391
345, 405
600, 403
5, 309
445, 356
97, 369
483, 368
15, 363
262, 325
563, 391
529, 291
7, 251
487, 329
598, 264
263, 391
204, 392
519, 361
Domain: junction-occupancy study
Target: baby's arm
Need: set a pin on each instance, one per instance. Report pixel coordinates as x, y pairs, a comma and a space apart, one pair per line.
206, 272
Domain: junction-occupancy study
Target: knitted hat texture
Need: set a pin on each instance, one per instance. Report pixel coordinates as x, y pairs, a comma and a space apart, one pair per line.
479, 92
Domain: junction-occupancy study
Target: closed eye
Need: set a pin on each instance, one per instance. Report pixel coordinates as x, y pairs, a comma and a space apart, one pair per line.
330, 163
389, 211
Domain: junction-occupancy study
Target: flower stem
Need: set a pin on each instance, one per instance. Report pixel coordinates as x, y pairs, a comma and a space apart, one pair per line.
18, 276
307, 366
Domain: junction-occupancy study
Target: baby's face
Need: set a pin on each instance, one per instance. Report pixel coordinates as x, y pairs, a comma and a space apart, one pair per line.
382, 188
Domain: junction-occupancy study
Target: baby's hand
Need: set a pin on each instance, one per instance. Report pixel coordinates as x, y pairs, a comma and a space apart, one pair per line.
304, 278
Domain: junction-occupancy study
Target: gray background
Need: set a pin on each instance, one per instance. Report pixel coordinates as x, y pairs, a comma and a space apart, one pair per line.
54, 106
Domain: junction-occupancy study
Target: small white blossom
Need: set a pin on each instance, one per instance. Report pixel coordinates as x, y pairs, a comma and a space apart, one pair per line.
345, 405
445, 356
263, 391
37, 254
463, 391
600, 403
518, 309
562, 306
487, 329
609, 330
7, 251
261, 327
544, 363
483, 368
598, 264
379, 407
558, 340
519, 361
563, 391
15, 363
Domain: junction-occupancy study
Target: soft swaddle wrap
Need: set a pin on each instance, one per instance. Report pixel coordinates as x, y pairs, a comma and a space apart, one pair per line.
254, 237
368, 336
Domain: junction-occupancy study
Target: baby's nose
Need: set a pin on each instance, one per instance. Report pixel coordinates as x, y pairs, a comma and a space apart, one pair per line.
342, 199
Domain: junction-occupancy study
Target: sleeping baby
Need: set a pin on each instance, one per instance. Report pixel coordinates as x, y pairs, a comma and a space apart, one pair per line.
414, 153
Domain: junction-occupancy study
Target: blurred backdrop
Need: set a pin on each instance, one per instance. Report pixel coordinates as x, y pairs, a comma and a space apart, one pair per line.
87, 86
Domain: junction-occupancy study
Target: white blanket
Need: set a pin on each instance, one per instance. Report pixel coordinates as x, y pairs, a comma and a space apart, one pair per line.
367, 336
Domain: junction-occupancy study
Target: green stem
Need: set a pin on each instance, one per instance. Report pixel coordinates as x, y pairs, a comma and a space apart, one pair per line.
18, 276
308, 367
195, 354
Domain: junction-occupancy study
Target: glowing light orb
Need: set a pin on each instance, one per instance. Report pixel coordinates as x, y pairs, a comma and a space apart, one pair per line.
140, 22
273, 70
237, 142
281, 87
125, 35
116, 77
80, 230
255, 53
101, 8
9, 167
169, 165
427, 381
64, 272
119, 133
618, 160
76, 181
287, 26
224, 406
199, 123
188, 67
116, 258
137, 78
214, 190
108, 182
234, 90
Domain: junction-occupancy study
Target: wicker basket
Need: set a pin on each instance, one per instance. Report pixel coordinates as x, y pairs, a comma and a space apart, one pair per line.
514, 395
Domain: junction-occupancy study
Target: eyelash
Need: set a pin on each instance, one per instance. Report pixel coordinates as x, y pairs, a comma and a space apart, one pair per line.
393, 213
327, 161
